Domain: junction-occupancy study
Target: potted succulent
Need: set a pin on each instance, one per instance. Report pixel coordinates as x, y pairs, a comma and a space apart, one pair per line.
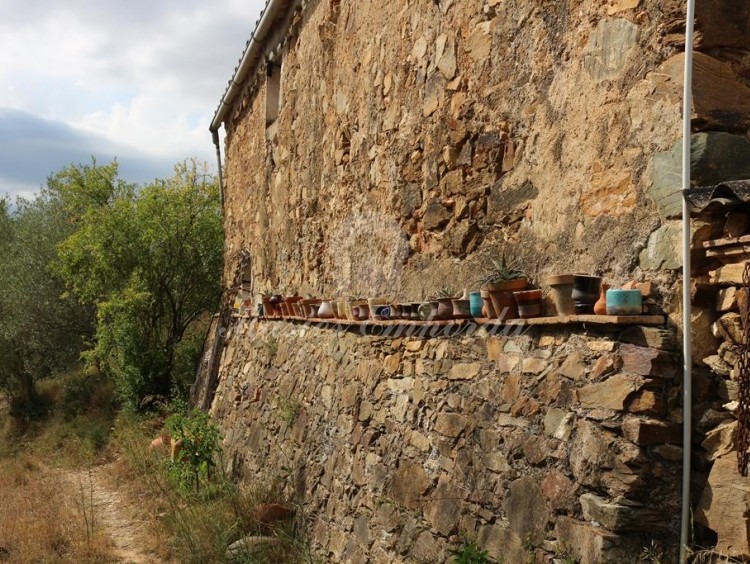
500, 283
444, 298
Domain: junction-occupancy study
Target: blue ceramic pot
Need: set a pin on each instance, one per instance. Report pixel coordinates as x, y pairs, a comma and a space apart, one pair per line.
624, 302
475, 304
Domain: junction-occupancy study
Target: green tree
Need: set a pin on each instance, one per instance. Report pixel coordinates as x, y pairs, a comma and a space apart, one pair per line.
42, 331
150, 261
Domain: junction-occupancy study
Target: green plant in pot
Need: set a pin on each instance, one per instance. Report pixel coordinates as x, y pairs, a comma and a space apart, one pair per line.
497, 288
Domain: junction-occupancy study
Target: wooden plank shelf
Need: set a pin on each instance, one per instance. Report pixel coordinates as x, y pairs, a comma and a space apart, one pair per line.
725, 242
653, 320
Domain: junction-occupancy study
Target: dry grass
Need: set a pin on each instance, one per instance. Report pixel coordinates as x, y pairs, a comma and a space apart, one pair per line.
193, 527
42, 517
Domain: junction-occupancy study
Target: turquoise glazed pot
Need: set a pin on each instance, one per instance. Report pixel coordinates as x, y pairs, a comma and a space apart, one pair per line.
475, 304
624, 302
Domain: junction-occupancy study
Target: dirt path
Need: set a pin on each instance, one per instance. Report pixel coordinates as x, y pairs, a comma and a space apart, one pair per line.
112, 514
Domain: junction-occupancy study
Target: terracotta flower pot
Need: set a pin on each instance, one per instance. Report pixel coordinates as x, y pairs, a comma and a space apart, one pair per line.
266, 302
503, 302
445, 308
364, 312
600, 307
529, 303
561, 293
461, 308
488, 310
275, 302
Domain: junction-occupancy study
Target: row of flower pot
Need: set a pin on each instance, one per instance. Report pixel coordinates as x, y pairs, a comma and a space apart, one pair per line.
509, 299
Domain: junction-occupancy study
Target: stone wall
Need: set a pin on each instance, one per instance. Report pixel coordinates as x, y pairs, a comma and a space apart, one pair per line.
425, 137
555, 442
415, 141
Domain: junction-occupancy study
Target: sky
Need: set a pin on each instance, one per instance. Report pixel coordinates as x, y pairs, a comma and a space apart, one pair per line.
134, 80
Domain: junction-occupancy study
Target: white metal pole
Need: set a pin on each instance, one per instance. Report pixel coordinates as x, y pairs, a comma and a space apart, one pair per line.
687, 110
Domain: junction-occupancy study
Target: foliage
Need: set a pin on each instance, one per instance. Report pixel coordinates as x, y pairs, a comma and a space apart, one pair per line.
200, 526
503, 271
445, 292
469, 553
149, 260
42, 331
289, 410
199, 438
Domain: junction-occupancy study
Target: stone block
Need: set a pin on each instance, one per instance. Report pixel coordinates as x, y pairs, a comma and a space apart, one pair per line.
558, 423
436, 215
450, 424
715, 157
445, 55
720, 441
444, 511
574, 366
479, 44
464, 371
501, 543
724, 507
722, 23
525, 509
622, 518
613, 393
729, 328
392, 363
721, 101
646, 402
646, 432
411, 199
409, 484
558, 489
726, 299
590, 544
505, 199
651, 337
533, 365
590, 452
663, 250
609, 48
650, 362
426, 548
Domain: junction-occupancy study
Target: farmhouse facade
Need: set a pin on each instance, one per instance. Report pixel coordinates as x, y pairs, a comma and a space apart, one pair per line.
390, 149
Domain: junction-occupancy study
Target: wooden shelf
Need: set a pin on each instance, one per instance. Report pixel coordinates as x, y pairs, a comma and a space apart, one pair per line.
653, 320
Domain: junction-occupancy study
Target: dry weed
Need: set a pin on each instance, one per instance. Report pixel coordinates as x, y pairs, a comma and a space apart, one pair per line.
40, 517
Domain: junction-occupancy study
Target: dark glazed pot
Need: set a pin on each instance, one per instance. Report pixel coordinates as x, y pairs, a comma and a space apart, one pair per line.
445, 308
461, 309
586, 290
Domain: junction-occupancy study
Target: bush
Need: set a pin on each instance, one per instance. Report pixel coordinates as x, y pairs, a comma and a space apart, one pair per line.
198, 436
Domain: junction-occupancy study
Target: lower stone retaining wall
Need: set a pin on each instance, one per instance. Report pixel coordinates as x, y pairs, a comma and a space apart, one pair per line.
558, 442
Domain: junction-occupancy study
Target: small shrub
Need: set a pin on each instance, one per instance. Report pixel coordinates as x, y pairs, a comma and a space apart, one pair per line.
198, 437
469, 553
289, 411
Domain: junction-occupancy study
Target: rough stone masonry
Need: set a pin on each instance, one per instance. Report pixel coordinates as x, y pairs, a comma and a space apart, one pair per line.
556, 442
415, 141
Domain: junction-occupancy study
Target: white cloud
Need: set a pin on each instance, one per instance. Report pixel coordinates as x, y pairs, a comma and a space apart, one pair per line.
144, 76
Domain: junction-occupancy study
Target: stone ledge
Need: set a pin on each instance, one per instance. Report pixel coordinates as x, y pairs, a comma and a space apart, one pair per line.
653, 320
